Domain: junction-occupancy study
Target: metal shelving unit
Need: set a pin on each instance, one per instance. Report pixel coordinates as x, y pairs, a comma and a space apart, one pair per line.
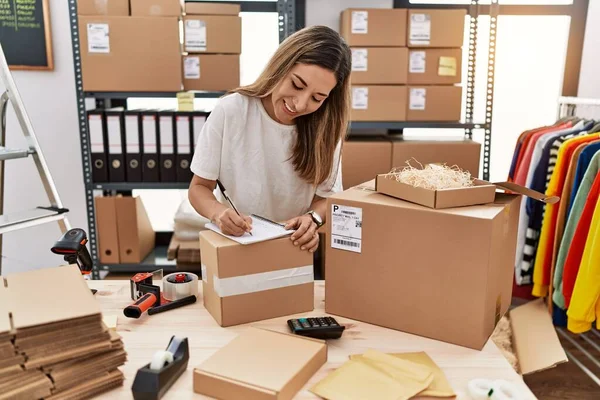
290, 20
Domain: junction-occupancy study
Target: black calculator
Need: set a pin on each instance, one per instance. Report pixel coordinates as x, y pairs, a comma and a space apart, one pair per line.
318, 328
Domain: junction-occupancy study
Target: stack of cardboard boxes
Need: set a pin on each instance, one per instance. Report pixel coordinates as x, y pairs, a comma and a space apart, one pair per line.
405, 63
213, 41
135, 45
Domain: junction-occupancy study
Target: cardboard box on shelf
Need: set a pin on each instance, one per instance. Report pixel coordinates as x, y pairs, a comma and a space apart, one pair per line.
134, 230
219, 72
212, 34
106, 7
156, 8
364, 159
201, 8
108, 239
374, 26
260, 364
434, 66
378, 103
434, 103
137, 54
463, 153
436, 28
240, 282
443, 274
379, 65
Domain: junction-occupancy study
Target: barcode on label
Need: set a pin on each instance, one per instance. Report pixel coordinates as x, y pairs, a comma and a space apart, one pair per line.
346, 243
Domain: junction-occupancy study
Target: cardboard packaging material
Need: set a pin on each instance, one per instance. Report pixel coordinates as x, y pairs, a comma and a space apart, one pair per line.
378, 103
201, 8
134, 230
374, 26
364, 159
434, 66
379, 65
434, 103
247, 283
212, 34
140, 54
260, 364
156, 8
449, 277
219, 72
108, 238
436, 28
463, 153
104, 7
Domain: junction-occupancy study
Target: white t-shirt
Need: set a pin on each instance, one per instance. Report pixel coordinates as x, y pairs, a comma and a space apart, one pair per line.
250, 154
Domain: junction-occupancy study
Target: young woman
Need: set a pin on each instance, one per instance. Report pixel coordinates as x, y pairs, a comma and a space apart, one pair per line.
275, 145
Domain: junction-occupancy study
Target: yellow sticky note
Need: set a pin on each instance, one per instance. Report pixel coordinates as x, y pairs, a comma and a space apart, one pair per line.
447, 66
185, 101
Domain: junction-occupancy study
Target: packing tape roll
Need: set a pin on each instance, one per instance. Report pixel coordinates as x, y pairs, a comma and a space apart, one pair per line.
161, 359
484, 389
179, 285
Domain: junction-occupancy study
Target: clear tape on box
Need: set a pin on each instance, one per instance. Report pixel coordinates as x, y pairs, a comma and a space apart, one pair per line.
237, 285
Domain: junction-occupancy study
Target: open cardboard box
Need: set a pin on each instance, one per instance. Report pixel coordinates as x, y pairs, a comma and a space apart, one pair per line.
482, 192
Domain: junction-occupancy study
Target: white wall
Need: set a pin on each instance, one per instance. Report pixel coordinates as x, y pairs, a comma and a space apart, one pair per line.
589, 83
50, 101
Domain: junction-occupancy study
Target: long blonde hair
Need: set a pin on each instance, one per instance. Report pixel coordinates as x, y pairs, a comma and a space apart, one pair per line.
319, 133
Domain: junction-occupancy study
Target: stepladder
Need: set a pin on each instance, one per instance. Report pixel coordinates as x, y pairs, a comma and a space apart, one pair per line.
52, 209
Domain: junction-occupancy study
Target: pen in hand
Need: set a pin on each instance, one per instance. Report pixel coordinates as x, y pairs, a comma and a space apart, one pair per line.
222, 188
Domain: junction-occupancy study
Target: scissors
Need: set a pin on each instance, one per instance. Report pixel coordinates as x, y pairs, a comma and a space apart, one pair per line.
484, 389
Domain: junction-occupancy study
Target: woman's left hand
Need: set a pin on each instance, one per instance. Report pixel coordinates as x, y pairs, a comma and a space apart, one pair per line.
306, 235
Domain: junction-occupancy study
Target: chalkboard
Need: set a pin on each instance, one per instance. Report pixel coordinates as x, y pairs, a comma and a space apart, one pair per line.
25, 34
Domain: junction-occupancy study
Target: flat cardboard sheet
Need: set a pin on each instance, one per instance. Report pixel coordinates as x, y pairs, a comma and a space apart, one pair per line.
534, 338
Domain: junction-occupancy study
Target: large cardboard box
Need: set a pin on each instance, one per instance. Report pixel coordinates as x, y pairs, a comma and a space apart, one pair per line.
463, 153
379, 103
156, 8
364, 159
243, 283
105, 7
374, 26
260, 364
212, 34
434, 66
201, 8
434, 103
443, 274
379, 65
134, 230
137, 54
220, 72
436, 28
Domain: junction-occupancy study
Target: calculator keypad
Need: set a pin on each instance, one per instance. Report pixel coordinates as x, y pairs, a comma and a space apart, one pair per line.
319, 327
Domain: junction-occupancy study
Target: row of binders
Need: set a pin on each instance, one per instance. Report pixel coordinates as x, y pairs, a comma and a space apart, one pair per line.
143, 145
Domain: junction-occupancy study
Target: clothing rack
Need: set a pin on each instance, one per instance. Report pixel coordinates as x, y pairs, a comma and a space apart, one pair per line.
570, 106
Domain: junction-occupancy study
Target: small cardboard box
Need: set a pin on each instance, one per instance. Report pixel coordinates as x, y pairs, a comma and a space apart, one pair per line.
201, 8
436, 28
371, 65
443, 274
108, 238
379, 103
137, 54
365, 158
481, 193
156, 8
219, 72
106, 7
463, 153
212, 34
434, 103
434, 66
247, 283
260, 364
374, 26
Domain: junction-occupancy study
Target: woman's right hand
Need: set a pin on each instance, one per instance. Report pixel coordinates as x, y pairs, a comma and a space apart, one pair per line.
232, 224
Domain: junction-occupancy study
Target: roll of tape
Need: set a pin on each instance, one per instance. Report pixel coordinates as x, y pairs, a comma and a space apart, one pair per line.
484, 389
479, 389
179, 285
160, 360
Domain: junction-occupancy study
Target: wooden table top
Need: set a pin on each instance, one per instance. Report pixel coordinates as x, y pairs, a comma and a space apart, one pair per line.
144, 336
